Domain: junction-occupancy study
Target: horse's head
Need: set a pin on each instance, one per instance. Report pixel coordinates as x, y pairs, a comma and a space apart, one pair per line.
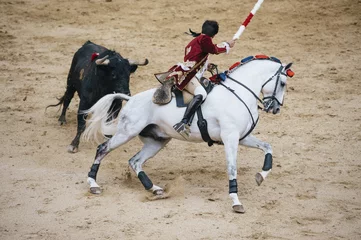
274, 88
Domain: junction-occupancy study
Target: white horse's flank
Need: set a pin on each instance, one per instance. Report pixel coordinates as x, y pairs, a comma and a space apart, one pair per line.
229, 121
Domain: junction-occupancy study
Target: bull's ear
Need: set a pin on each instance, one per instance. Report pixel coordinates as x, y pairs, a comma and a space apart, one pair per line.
133, 68
288, 66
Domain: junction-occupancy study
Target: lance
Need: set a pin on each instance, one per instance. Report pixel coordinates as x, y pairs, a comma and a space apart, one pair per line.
248, 19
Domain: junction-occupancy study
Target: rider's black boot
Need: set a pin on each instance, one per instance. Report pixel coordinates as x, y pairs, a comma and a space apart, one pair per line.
183, 126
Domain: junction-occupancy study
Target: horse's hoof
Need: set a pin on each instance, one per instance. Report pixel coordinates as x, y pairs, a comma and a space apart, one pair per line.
238, 209
158, 192
72, 149
259, 179
95, 190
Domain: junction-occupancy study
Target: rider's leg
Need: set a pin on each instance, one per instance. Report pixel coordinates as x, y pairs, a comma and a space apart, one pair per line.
200, 94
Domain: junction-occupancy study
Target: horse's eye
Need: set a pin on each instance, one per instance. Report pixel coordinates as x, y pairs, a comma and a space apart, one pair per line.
283, 84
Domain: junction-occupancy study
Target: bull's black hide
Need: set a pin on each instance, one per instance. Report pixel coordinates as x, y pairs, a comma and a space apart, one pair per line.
95, 71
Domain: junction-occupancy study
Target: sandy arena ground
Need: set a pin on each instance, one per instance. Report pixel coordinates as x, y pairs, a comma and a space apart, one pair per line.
313, 191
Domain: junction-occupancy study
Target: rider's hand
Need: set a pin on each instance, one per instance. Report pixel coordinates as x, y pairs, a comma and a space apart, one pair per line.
231, 43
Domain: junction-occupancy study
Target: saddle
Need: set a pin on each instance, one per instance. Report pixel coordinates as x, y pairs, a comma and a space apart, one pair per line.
167, 90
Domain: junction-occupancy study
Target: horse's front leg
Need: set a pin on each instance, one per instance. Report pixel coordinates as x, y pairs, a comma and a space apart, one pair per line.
252, 141
151, 147
231, 148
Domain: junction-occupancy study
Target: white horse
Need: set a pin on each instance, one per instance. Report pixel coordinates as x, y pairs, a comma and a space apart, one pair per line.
231, 110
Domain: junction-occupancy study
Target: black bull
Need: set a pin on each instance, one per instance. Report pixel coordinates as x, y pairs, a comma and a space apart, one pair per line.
95, 72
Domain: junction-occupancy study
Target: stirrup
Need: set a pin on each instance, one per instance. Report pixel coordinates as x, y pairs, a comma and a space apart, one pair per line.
183, 129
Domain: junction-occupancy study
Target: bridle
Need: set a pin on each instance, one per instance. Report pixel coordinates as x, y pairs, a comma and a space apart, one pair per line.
267, 104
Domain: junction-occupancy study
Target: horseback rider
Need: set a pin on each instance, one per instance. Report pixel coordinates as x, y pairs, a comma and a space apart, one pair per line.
188, 74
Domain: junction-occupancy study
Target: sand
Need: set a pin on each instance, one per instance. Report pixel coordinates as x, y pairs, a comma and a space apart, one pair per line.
313, 191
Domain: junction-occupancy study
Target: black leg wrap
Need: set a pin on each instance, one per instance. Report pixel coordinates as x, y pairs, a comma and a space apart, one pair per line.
144, 179
233, 186
267, 162
93, 171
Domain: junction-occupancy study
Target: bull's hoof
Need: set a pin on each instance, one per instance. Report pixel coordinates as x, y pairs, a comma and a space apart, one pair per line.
95, 190
259, 179
238, 209
72, 149
62, 120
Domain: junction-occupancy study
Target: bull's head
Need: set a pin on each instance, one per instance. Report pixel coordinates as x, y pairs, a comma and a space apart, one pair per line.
117, 70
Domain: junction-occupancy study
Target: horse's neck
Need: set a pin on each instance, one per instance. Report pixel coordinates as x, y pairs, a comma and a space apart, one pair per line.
253, 75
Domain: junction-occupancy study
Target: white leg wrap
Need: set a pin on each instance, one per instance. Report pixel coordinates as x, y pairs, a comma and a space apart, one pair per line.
235, 199
155, 188
92, 182
265, 173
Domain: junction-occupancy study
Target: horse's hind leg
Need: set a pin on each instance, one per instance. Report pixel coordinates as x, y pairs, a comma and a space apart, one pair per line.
252, 141
102, 150
153, 143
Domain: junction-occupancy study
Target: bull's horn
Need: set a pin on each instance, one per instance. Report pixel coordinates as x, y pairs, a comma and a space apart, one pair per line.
133, 62
102, 61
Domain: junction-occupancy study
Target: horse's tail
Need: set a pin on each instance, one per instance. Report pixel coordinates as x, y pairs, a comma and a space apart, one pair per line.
98, 124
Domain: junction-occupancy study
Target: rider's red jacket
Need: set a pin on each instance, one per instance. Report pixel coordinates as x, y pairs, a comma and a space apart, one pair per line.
200, 47
195, 56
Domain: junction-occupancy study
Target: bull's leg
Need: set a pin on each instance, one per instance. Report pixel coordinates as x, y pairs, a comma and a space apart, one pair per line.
74, 145
252, 141
102, 150
230, 141
151, 147
114, 111
69, 94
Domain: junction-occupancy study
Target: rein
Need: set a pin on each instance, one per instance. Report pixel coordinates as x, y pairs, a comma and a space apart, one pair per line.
278, 73
254, 123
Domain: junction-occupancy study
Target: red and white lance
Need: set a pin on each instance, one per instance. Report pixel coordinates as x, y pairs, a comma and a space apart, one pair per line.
248, 19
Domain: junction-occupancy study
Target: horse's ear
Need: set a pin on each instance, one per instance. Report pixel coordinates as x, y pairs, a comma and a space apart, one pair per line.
288, 66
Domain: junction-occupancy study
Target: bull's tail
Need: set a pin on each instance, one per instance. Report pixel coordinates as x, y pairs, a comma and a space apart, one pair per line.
97, 125
61, 101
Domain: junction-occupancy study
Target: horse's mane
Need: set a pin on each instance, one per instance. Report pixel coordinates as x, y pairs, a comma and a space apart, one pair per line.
250, 59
